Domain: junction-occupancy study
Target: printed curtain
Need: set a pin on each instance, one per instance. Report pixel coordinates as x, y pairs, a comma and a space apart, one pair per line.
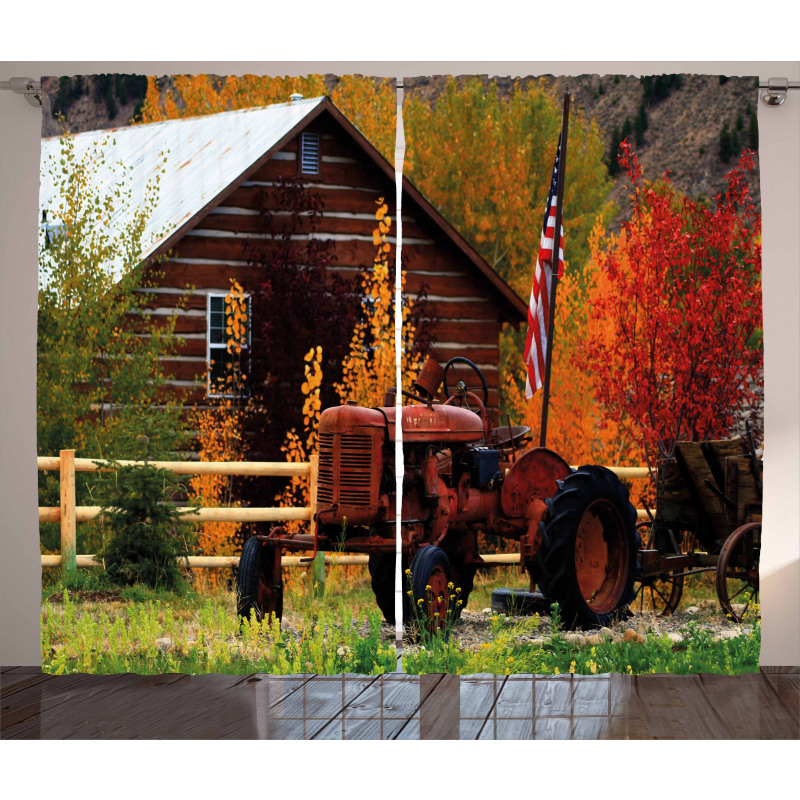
245, 281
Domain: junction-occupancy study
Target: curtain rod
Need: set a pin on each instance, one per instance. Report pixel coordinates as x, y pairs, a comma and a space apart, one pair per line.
774, 94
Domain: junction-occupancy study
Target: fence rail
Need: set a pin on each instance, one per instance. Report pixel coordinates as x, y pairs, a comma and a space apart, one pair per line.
69, 514
84, 561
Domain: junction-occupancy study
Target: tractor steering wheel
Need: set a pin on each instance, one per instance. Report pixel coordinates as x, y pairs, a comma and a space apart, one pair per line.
458, 387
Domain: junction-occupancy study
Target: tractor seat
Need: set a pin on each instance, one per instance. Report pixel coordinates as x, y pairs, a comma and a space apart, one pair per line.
503, 436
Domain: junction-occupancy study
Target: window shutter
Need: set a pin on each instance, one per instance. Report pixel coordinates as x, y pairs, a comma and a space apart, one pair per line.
309, 153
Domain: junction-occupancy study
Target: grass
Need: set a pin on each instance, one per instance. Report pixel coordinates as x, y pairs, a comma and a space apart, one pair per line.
153, 632
699, 653
151, 638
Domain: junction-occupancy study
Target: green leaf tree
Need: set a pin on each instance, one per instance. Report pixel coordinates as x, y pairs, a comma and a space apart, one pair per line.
486, 161
100, 375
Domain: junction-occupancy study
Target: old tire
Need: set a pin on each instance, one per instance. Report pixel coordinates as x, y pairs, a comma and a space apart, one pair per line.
255, 590
430, 567
586, 561
518, 602
381, 574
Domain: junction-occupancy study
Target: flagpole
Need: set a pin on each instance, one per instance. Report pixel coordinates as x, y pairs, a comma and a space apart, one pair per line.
562, 171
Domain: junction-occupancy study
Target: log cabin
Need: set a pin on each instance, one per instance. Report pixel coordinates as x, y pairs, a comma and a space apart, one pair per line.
214, 177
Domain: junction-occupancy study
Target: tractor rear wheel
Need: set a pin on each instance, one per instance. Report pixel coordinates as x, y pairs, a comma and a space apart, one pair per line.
256, 589
586, 561
382, 574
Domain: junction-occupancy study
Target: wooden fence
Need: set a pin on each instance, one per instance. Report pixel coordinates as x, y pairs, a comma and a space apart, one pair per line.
69, 514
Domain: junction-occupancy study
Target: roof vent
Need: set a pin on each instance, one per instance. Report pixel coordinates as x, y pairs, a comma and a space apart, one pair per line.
294, 97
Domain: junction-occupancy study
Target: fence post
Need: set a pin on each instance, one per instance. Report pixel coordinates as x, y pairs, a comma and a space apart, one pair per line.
318, 564
68, 521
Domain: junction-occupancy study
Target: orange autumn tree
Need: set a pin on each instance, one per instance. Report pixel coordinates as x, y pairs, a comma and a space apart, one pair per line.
219, 435
578, 427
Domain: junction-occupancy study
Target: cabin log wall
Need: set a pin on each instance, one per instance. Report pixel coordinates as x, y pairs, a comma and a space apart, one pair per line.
216, 250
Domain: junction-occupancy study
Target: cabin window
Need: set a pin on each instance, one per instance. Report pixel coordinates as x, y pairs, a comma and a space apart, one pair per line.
309, 153
217, 355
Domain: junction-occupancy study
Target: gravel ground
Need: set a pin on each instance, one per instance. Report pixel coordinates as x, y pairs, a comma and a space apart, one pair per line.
474, 627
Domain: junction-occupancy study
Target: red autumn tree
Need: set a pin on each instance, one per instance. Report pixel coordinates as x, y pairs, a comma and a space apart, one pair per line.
681, 285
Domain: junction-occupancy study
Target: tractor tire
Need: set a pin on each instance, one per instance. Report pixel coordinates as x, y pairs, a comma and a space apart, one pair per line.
586, 561
253, 582
382, 574
430, 567
519, 603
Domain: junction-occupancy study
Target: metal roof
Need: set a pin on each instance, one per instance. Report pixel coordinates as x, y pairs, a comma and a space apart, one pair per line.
204, 155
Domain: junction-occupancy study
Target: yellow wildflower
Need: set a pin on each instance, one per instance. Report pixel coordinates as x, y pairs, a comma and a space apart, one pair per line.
572, 667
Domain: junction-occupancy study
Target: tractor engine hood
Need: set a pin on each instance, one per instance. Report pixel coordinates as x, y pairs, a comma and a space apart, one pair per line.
439, 423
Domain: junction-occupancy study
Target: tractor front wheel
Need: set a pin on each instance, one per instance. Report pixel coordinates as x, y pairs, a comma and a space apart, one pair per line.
382, 574
431, 582
586, 561
256, 584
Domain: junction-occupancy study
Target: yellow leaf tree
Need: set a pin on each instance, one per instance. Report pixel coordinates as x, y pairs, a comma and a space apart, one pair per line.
219, 437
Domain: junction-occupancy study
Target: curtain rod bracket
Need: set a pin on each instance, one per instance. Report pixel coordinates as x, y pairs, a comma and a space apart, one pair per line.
28, 87
774, 93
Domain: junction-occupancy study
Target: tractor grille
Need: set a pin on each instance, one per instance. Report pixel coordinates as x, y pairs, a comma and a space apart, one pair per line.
355, 467
347, 467
325, 476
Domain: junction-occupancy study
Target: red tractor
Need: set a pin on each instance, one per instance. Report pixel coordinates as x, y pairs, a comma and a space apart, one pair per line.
575, 527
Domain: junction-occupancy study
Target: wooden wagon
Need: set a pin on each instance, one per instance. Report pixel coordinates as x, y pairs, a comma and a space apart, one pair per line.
708, 519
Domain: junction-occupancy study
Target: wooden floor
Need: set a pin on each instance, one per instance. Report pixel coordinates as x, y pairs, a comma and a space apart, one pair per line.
40, 706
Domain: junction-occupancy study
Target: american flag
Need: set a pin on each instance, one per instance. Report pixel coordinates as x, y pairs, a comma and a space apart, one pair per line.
539, 306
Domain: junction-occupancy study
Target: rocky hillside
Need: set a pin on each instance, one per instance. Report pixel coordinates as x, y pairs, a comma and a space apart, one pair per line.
676, 122
684, 115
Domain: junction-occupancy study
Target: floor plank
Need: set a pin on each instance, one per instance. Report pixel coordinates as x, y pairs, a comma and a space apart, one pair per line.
760, 705
779, 706
440, 709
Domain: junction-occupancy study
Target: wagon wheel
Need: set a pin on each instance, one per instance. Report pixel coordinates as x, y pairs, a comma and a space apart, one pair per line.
259, 582
586, 561
737, 571
658, 594
431, 578
467, 380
